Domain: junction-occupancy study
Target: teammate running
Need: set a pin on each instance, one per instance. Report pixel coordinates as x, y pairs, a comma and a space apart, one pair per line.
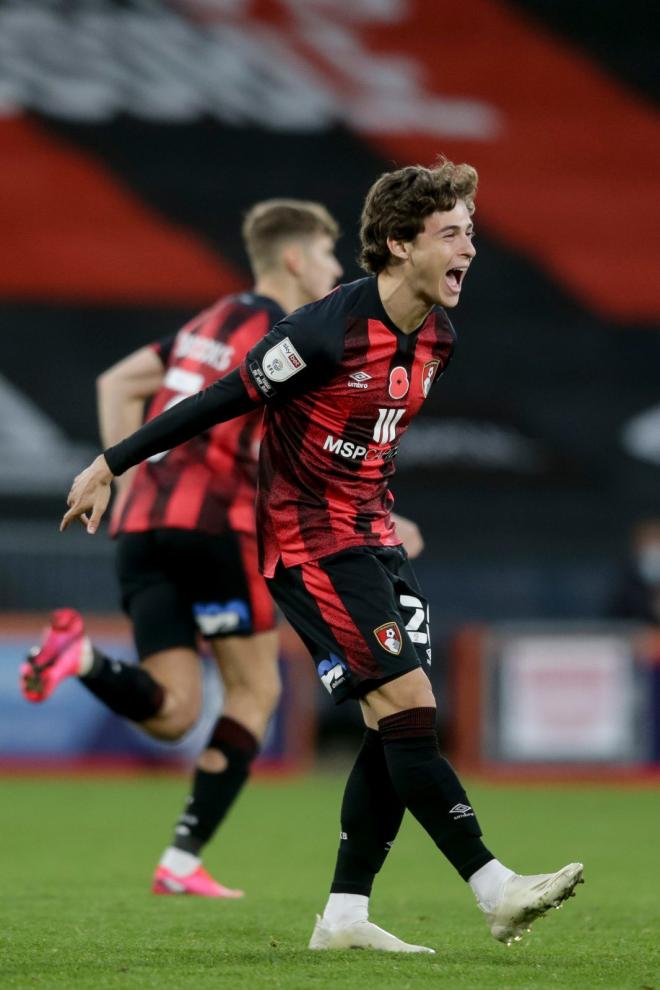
341, 380
186, 546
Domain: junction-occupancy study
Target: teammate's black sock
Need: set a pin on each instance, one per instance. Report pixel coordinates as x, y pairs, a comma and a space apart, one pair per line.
214, 793
430, 789
371, 814
126, 688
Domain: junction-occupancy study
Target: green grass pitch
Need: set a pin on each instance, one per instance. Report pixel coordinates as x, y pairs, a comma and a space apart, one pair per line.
76, 856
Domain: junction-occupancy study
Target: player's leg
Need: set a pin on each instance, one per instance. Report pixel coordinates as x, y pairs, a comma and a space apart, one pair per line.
65, 651
380, 641
248, 667
162, 693
148, 569
251, 679
371, 814
177, 671
251, 688
371, 810
405, 710
431, 790
180, 871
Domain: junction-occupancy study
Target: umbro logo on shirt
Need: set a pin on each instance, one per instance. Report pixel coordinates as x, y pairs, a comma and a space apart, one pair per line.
359, 379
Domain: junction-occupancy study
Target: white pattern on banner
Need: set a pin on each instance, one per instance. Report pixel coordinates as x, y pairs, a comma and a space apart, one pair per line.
94, 61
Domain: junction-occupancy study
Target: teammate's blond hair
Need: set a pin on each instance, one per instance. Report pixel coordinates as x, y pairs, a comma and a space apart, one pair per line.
267, 225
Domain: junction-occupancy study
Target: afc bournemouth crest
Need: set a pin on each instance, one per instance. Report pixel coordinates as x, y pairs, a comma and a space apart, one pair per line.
428, 374
389, 637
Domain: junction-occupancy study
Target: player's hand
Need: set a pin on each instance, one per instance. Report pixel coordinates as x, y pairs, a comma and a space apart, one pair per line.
89, 495
410, 535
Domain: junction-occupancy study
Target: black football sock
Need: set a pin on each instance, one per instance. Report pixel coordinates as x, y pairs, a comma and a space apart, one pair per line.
371, 814
126, 688
430, 789
214, 793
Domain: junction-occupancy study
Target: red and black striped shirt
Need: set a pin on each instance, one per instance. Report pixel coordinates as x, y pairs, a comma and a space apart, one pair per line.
341, 384
208, 483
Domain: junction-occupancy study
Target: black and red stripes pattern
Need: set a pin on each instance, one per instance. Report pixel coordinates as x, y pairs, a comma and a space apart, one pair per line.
338, 605
208, 483
342, 384
329, 450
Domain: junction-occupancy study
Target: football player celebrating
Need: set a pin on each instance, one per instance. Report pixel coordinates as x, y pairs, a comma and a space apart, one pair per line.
341, 380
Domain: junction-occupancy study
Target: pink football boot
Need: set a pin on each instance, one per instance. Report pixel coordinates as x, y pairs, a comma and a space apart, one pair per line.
59, 655
199, 883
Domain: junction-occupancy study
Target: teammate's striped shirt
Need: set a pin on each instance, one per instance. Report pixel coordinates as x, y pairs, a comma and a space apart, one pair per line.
208, 483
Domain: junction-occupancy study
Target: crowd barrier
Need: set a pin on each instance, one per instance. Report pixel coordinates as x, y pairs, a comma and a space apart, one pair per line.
563, 696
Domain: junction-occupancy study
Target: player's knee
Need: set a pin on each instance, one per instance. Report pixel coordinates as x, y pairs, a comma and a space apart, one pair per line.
258, 701
172, 731
413, 696
423, 698
402, 694
258, 688
179, 720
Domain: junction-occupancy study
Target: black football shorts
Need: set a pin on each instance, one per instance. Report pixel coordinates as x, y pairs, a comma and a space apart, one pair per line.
361, 615
177, 584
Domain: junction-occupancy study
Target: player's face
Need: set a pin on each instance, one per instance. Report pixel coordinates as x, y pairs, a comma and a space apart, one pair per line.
440, 256
319, 268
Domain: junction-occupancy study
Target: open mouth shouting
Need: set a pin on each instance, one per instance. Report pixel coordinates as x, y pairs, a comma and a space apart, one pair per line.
454, 278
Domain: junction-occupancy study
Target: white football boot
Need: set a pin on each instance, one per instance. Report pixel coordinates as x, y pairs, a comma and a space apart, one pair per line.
524, 899
358, 935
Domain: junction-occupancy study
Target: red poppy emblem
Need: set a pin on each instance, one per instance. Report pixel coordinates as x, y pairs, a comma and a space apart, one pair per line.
389, 637
399, 383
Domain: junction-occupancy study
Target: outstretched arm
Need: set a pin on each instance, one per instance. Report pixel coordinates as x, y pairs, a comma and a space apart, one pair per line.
284, 362
90, 492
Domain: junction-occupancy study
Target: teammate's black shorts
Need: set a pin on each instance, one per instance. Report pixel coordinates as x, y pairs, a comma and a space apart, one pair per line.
361, 614
177, 584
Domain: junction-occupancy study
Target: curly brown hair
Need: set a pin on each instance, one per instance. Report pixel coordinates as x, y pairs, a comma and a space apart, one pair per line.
272, 221
399, 202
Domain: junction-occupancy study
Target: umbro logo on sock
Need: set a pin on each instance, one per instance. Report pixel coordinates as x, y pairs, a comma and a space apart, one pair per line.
461, 811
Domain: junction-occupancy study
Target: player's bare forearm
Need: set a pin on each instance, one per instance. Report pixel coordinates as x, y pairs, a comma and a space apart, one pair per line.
89, 495
119, 415
121, 392
409, 534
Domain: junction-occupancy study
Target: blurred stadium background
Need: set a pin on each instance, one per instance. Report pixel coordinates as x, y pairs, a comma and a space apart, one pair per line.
133, 136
